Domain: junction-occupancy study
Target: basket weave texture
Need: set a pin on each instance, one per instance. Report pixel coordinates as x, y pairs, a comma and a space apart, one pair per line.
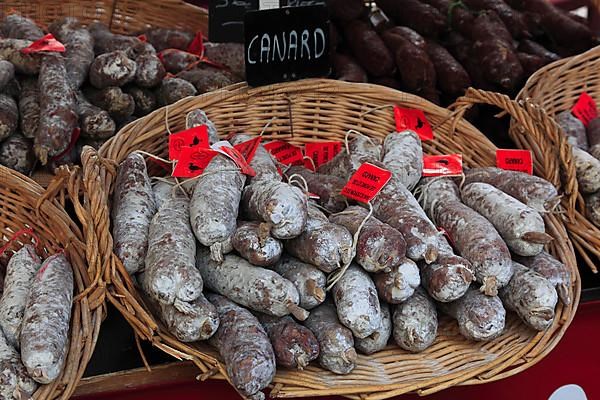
121, 16
25, 205
314, 110
556, 88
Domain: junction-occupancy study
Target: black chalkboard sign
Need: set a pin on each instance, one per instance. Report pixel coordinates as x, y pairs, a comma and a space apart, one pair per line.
299, 3
226, 19
286, 44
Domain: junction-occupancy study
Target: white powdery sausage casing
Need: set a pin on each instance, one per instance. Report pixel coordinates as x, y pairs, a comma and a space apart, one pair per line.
532, 190
133, 208
403, 156
325, 245
199, 321
254, 287
573, 129
162, 192
171, 274
552, 269
20, 271
197, 118
356, 300
379, 339
262, 163
45, 330
513, 219
588, 171
415, 322
256, 245
531, 296
399, 284
592, 208
244, 346
277, 203
396, 206
335, 340
344, 164
472, 235
448, 278
14, 380
308, 280
479, 317
215, 203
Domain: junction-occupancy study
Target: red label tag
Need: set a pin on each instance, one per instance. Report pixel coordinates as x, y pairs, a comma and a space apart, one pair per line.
414, 120
193, 137
322, 152
193, 161
446, 165
585, 109
515, 160
197, 45
366, 182
47, 43
248, 148
239, 159
142, 38
285, 153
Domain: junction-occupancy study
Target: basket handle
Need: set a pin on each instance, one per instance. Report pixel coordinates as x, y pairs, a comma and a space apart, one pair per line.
535, 131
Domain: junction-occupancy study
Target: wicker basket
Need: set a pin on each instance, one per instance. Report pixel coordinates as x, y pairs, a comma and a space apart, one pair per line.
308, 111
556, 88
122, 16
25, 205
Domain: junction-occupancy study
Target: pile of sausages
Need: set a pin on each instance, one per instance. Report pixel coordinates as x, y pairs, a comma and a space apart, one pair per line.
35, 312
438, 48
585, 142
246, 262
100, 83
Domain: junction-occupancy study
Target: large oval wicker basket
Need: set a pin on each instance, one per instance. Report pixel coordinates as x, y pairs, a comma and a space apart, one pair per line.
556, 88
121, 16
314, 110
24, 205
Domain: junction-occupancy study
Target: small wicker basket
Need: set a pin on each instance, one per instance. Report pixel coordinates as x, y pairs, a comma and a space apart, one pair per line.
308, 111
556, 88
25, 205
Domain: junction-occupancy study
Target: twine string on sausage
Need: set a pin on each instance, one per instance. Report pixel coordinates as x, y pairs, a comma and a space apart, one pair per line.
264, 129
18, 234
354, 132
297, 179
336, 275
311, 161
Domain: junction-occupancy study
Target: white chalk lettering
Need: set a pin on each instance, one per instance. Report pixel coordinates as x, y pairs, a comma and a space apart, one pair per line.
250, 60
293, 44
277, 48
305, 44
319, 33
265, 47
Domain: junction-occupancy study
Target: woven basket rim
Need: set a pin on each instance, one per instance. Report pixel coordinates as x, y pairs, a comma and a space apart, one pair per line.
146, 133
47, 208
555, 88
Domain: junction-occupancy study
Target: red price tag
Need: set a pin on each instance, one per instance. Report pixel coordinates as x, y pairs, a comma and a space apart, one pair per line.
446, 165
142, 38
239, 159
248, 148
414, 120
515, 160
585, 109
322, 152
197, 45
193, 161
285, 153
366, 182
193, 137
47, 43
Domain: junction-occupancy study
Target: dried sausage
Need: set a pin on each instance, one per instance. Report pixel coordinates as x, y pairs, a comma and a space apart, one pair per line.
172, 90
335, 340
95, 123
255, 244
79, 46
573, 128
112, 69
9, 116
327, 187
415, 322
29, 107
15, 383
379, 339
16, 153
403, 156
325, 245
308, 280
254, 287
20, 271
244, 346
531, 296
45, 329
356, 302
379, 246
588, 171
132, 211
553, 270
399, 283
295, 346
